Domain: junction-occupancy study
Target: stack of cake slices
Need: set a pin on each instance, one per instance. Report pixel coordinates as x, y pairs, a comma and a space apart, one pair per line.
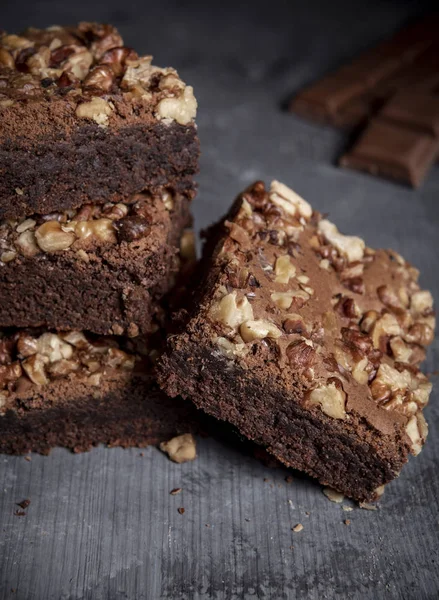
98, 153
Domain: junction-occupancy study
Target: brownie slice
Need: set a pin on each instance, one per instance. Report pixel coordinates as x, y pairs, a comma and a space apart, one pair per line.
86, 120
308, 342
99, 268
77, 391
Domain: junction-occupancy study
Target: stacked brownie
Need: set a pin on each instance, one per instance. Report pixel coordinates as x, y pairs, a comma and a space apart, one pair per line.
98, 152
308, 341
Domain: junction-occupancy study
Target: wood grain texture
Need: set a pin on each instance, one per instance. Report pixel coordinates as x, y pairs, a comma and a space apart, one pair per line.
103, 525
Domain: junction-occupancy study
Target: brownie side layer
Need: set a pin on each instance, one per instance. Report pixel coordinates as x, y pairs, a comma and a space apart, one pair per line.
125, 411
93, 165
355, 460
108, 288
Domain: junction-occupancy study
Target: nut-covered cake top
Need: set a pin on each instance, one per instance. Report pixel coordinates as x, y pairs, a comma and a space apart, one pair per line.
341, 326
89, 67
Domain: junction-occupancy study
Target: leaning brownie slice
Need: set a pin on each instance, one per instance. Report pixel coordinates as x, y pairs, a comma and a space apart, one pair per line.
308, 342
85, 120
96, 268
77, 390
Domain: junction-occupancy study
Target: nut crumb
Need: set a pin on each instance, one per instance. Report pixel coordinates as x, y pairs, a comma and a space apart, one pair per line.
24, 503
175, 491
367, 506
180, 449
347, 508
289, 479
333, 495
297, 528
347, 521
181, 510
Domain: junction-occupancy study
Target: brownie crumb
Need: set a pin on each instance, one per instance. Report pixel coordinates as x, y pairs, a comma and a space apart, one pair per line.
19, 513
297, 528
175, 491
181, 510
347, 521
24, 503
289, 479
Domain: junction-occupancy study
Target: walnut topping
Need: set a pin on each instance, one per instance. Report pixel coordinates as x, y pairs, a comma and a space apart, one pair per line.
97, 109
229, 349
182, 109
349, 246
417, 431
301, 354
259, 329
53, 347
386, 326
138, 72
27, 244
284, 300
50, 237
35, 369
294, 323
232, 311
180, 449
284, 269
331, 400
421, 303
289, 201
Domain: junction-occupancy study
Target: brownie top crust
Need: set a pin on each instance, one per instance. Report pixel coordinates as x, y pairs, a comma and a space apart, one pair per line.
339, 326
59, 76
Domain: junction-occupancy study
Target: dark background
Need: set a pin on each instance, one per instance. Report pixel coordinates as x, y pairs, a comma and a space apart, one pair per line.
102, 525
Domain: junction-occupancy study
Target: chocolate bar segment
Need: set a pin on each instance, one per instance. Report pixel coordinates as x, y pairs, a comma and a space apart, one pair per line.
392, 150
85, 120
355, 91
308, 341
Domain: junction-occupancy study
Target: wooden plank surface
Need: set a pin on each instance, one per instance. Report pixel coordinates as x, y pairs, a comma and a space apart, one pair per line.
103, 525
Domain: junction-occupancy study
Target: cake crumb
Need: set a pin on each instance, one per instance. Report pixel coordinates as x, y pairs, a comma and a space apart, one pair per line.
333, 495
347, 521
181, 510
307, 513
297, 528
175, 491
24, 503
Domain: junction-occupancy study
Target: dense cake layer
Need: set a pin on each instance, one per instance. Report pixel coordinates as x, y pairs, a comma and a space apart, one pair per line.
77, 391
308, 341
98, 268
86, 120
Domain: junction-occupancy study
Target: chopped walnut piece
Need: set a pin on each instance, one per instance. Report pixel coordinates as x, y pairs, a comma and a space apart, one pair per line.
229, 349
400, 350
294, 323
331, 400
97, 109
232, 312
284, 269
284, 300
259, 329
351, 247
359, 372
34, 367
301, 354
333, 495
385, 326
50, 237
182, 109
180, 449
421, 302
138, 72
27, 245
53, 347
285, 198
417, 431
420, 333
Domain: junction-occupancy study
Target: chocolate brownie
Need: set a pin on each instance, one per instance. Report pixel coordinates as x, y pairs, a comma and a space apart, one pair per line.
76, 390
100, 268
86, 120
308, 341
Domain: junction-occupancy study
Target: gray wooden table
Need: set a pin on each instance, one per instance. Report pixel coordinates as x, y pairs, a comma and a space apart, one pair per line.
103, 525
